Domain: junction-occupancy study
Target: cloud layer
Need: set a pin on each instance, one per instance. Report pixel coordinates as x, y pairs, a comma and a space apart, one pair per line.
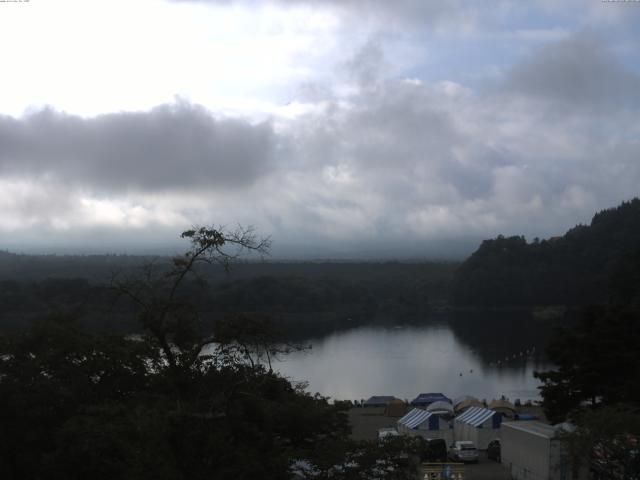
170, 147
377, 145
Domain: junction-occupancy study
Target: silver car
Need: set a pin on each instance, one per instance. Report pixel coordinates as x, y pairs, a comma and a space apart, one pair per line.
463, 451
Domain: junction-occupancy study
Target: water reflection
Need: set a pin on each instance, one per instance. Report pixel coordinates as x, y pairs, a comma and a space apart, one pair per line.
442, 356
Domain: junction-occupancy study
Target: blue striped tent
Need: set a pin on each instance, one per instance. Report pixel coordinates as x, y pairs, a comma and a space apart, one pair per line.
480, 425
425, 424
417, 418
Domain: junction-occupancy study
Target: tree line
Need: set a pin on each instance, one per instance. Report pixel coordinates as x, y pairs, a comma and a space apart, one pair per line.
573, 269
595, 383
315, 294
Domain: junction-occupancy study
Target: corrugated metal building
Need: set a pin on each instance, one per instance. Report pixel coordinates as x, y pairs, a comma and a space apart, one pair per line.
532, 451
480, 425
425, 424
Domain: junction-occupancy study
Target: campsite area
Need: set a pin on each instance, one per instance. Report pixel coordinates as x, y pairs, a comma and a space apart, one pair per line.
366, 421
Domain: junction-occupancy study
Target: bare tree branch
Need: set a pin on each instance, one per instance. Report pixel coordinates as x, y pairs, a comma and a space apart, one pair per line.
155, 292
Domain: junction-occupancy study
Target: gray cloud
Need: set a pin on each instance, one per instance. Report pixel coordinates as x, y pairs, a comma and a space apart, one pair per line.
466, 16
578, 72
368, 64
533, 156
170, 147
391, 13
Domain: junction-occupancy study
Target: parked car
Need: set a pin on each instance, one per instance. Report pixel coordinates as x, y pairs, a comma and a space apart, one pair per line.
493, 450
463, 451
434, 450
387, 433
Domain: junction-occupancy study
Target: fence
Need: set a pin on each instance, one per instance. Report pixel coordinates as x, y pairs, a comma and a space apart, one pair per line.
443, 471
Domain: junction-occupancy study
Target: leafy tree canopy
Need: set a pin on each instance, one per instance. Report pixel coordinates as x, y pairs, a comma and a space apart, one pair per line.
174, 402
596, 384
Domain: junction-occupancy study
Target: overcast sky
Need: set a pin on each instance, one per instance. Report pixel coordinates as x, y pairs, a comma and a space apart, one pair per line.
342, 128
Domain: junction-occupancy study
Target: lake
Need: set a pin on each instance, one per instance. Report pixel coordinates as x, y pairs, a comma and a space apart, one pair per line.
462, 355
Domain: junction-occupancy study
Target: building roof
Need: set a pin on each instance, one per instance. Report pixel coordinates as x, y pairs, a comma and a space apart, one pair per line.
415, 418
475, 416
534, 428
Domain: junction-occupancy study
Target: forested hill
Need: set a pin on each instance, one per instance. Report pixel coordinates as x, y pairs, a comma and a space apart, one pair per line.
294, 293
570, 270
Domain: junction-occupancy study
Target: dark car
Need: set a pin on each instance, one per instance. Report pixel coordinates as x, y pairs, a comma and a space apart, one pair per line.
493, 450
434, 450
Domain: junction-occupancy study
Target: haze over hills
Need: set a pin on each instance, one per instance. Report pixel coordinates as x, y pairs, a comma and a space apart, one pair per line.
507, 271
367, 249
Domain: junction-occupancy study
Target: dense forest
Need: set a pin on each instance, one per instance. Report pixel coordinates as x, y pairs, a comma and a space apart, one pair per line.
298, 295
570, 270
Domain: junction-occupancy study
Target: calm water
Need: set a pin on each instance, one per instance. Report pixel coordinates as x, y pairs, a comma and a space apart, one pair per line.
455, 358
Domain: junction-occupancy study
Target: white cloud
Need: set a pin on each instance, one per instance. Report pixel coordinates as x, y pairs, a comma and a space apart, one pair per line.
89, 57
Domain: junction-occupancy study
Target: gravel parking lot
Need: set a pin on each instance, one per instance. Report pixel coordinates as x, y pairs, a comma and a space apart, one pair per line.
486, 469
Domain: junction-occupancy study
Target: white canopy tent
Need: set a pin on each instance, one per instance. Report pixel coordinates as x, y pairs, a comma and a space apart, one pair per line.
480, 425
440, 407
425, 424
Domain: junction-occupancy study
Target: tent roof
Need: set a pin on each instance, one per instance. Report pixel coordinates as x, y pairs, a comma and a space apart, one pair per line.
475, 416
380, 400
502, 404
463, 398
470, 402
414, 418
426, 398
439, 406
395, 408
